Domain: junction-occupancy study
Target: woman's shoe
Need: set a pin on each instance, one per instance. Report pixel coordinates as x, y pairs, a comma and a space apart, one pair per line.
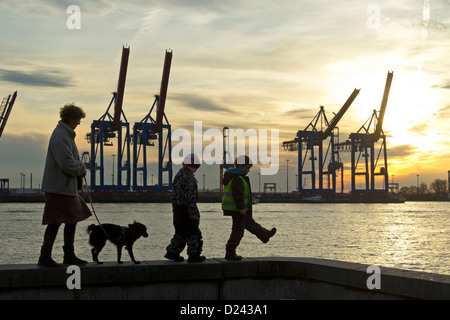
70, 258
45, 259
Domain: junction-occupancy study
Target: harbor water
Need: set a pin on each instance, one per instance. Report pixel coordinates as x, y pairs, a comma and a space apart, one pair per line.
412, 235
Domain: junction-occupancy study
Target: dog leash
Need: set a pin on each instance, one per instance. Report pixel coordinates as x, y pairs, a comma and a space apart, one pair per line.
96, 217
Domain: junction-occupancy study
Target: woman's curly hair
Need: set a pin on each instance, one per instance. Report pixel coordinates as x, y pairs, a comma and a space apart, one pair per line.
71, 112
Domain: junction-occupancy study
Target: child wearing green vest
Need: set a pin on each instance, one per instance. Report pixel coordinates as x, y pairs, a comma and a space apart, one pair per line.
237, 203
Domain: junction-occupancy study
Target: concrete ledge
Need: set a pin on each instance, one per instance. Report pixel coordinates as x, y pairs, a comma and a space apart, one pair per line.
251, 278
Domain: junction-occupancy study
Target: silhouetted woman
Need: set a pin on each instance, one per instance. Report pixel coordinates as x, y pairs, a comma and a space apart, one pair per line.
63, 169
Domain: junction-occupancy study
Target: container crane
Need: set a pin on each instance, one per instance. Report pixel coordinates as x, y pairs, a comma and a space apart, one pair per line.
368, 154
150, 130
5, 110
109, 127
311, 141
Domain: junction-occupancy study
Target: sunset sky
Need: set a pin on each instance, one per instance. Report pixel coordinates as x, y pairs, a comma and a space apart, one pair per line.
239, 63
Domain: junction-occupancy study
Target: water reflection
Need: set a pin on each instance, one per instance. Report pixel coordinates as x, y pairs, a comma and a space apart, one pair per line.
413, 235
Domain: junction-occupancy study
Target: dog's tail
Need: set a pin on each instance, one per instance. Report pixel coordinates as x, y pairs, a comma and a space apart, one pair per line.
90, 228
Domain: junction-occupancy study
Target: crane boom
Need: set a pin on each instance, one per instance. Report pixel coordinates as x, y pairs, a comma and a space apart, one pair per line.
384, 101
120, 88
339, 115
6, 110
163, 92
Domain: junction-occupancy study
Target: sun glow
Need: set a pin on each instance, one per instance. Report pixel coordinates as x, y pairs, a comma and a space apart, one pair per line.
410, 111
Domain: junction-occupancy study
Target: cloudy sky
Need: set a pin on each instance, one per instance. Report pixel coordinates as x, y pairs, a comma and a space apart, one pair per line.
238, 63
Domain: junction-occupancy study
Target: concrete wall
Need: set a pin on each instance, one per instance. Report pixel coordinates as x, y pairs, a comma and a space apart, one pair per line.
251, 278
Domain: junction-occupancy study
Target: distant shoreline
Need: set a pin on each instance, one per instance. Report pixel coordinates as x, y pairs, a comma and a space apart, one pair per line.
214, 197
